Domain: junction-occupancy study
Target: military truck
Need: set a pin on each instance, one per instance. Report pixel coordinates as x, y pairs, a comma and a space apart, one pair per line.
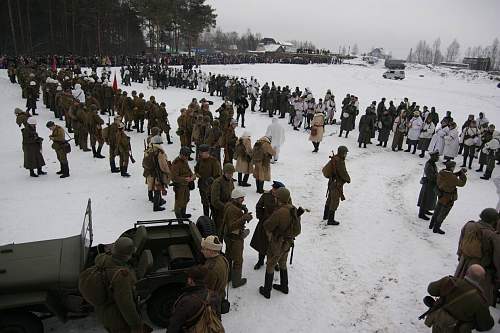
39, 280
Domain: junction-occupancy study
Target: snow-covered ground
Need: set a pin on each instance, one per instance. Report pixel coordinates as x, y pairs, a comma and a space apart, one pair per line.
367, 275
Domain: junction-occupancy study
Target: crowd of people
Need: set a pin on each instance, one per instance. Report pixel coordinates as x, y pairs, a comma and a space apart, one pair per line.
81, 97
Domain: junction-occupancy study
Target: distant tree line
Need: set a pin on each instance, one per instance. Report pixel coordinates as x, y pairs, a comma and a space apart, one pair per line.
425, 53
98, 27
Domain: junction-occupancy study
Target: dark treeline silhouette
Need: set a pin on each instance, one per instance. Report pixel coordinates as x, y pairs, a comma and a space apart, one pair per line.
89, 27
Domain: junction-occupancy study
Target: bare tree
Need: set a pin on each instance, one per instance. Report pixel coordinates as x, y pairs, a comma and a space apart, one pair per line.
452, 51
355, 49
495, 52
437, 57
13, 31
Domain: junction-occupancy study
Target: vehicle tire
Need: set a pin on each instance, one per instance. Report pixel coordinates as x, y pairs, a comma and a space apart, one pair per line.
206, 226
20, 322
159, 307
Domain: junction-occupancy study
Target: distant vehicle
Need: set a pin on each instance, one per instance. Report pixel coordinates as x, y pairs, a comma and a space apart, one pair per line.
39, 280
394, 64
394, 74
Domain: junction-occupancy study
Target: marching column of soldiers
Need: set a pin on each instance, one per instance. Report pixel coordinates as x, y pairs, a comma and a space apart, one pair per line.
460, 303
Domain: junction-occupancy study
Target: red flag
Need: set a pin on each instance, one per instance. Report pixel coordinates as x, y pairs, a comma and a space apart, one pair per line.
54, 65
115, 84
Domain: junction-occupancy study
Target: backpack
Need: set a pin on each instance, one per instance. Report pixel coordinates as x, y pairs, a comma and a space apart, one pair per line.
208, 321
295, 226
470, 245
149, 161
258, 152
329, 168
95, 286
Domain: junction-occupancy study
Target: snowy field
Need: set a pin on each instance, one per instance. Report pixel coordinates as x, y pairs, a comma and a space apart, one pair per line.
367, 275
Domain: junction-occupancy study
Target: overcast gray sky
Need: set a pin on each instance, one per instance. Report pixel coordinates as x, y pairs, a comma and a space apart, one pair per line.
396, 25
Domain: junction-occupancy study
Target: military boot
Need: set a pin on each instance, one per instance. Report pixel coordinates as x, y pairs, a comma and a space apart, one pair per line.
206, 210
239, 179
32, 173
150, 196
40, 172
283, 286
123, 172
331, 218
236, 278
268, 284
259, 263
230, 273
184, 215
244, 182
112, 164
60, 169
156, 202
98, 152
65, 171
325, 212
487, 175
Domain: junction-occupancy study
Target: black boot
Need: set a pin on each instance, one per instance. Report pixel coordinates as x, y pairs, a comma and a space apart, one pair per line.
480, 168
206, 210
60, 169
98, 155
487, 175
239, 179
260, 262
150, 196
168, 139
32, 173
40, 172
184, 215
236, 279
244, 182
257, 186
421, 214
123, 171
178, 214
283, 286
268, 283
156, 202
112, 164
65, 171
331, 218
94, 152
325, 212
261, 187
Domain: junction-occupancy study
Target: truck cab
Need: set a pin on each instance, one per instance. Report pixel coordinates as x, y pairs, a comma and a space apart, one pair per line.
394, 74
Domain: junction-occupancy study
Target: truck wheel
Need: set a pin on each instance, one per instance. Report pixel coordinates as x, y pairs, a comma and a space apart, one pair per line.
159, 307
20, 322
206, 226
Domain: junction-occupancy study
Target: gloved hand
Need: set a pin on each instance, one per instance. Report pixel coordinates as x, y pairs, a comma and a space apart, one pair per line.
247, 217
300, 211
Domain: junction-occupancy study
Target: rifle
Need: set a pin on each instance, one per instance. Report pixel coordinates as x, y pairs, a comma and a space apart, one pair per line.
291, 253
132, 159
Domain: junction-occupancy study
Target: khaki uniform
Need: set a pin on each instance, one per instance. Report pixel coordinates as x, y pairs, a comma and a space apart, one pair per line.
58, 140
220, 195
183, 130
218, 272
157, 180
229, 143
119, 314
244, 157
337, 176
180, 170
489, 259
471, 311
122, 148
277, 227
447, 183
262, 168
233, 225
207, 170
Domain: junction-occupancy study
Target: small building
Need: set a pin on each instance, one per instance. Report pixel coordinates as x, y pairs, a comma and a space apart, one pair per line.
270, 48
377, 53
479, 64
